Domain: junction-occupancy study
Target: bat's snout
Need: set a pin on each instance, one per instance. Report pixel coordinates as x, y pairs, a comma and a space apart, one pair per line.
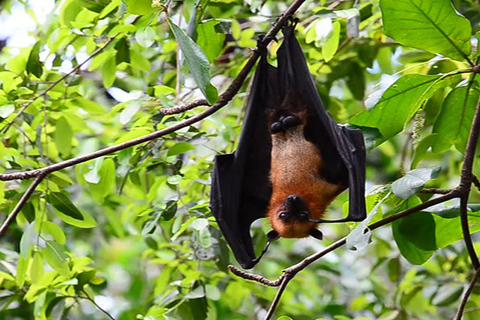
295, 208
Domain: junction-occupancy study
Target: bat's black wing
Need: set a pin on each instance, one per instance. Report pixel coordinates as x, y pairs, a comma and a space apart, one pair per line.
241, 187
240, 183
342, 149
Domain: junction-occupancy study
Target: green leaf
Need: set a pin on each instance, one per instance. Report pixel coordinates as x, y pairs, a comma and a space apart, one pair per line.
413, 181
56, 257
63, 136
86, 222
197, 62
210, 39
109, 71
130, 110
454, 121
447, 294
449, 230
107, 184
26, 242
331, 44
6, 110
415, 237
22, 266
140, 7
28, 211
123, 51
138, 61
63, 204
170, 210
145, 37
88, 105
36, 268
423, 146
34, 66
400, 102
180, 147
434, 26
55, 231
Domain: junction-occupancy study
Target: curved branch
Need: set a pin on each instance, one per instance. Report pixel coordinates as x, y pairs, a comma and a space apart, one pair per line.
255, 277
20, 204
466, 295
466, 180
290, 272
185, 107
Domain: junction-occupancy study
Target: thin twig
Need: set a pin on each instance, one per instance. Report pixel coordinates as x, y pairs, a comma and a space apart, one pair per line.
255, 277
466, 295
96, 305
475, 181
5, 129
185, 107
20, 204
435, 191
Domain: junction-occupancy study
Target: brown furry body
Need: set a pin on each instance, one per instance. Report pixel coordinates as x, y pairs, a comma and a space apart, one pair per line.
295, 170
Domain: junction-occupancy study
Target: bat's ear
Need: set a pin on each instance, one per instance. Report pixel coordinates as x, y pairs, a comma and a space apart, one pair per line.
273, 236
317, 234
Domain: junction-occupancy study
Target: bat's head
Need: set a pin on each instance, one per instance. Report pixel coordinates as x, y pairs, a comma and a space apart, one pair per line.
291, 217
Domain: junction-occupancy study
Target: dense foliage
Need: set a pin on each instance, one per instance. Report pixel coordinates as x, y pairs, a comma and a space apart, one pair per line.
130, 235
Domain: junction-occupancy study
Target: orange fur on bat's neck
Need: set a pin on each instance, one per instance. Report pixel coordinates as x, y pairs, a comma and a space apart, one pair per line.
295, 170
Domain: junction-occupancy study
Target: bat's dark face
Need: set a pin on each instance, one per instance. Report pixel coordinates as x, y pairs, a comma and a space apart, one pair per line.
291, 217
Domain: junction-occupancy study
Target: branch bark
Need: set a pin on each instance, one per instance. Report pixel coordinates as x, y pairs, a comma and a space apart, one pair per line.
466, 295
466, 180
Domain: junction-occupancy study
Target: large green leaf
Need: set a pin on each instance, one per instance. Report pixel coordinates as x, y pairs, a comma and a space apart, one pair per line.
415, 237
454, 121
64, 205
431, 25
197, 62
400, 102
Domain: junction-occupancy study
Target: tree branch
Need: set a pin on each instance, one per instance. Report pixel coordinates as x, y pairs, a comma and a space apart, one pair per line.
255, 277
20, 204
466, 184
185, 107
466, 295
435, 191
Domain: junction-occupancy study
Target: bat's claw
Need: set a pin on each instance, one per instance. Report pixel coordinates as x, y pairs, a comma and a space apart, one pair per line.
284, 123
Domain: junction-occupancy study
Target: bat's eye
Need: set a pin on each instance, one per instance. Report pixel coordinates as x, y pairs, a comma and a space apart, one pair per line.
283, 216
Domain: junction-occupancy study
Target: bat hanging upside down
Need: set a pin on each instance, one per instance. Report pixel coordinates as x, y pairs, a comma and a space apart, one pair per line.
291, 161
300, 195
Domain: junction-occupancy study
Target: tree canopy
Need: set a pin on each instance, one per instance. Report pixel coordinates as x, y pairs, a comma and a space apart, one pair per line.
111, 114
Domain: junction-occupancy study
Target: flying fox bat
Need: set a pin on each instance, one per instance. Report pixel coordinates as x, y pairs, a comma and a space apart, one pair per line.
292, 159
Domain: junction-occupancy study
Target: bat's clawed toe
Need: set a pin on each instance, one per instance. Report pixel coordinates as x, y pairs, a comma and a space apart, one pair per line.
284, 123
276, 127
290, 122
